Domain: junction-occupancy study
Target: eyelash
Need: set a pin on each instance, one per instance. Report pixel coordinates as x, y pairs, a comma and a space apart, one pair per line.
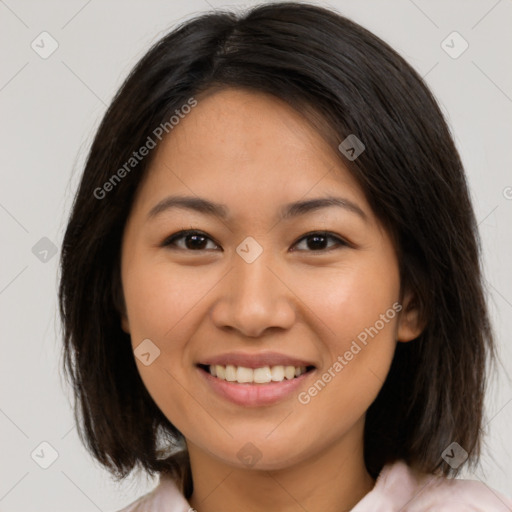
170, 241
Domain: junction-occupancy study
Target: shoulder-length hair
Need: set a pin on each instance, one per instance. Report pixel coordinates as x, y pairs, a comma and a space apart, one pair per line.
346, 81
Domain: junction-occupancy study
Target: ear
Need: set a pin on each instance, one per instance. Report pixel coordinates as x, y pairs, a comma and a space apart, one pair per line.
410, 325
118, 299
125, 325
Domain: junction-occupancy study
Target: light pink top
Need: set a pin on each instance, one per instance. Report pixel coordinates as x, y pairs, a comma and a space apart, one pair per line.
397, 489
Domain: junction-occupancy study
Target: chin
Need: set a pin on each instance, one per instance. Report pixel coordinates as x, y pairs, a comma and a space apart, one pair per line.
261, 455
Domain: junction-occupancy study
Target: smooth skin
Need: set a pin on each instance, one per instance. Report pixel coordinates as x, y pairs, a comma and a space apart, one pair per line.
198, 298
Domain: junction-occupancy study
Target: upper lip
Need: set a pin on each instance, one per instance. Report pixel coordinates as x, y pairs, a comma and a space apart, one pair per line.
257, 360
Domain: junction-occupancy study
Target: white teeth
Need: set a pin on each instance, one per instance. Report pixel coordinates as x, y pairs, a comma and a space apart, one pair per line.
230, 373
220, 372
289, 372
244, 374
277, 373
262, 375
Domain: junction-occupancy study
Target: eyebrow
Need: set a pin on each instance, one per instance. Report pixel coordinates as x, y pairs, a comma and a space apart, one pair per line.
206, 207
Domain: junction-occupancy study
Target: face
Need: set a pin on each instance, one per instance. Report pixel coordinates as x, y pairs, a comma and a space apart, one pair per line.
304, 297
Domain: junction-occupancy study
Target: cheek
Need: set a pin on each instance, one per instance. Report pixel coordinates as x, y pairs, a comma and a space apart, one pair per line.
352, 298
359, 312
161, 297
160, 300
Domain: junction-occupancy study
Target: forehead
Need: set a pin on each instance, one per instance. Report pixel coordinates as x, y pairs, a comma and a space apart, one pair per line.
247, 148
251, 125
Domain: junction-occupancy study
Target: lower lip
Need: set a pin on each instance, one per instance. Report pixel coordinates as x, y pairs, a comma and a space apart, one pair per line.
254, 395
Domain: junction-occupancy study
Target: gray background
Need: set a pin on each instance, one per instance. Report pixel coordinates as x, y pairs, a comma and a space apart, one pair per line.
50, 109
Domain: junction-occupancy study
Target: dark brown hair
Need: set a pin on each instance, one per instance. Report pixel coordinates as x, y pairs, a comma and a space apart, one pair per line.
347, 81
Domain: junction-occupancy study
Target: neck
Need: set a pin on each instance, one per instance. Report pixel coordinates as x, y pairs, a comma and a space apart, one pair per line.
334, 480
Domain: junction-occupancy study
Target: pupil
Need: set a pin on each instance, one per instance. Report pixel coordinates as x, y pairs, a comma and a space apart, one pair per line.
319, 242
195, 244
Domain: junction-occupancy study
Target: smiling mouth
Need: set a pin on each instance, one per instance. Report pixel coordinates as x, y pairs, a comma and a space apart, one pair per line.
262, 375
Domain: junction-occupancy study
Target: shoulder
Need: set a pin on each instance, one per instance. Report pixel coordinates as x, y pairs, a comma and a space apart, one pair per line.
401, 488
166, 497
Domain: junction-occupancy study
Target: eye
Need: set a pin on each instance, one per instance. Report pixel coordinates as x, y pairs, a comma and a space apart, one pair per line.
318, 241
194, 240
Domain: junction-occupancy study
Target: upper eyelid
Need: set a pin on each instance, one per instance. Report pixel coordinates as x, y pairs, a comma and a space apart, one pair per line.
185, 232
327, 234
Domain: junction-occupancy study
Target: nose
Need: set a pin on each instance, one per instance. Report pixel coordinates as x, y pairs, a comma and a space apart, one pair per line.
254, 297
